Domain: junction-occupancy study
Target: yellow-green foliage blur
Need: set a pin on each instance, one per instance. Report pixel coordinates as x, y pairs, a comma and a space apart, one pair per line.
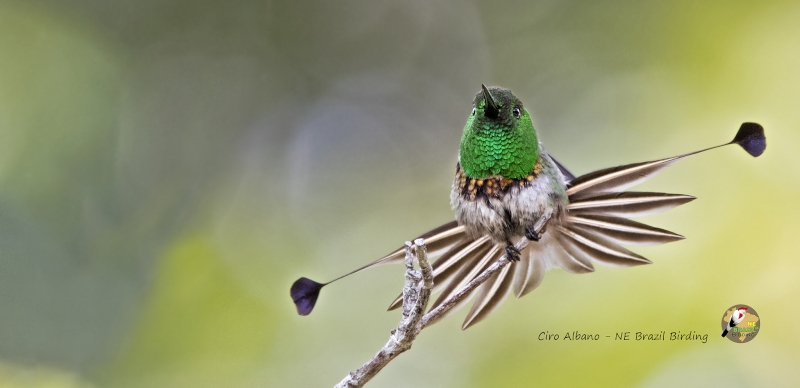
169, 168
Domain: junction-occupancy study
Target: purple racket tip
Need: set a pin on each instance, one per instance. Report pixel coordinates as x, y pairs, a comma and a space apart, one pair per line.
304, 293
751, 137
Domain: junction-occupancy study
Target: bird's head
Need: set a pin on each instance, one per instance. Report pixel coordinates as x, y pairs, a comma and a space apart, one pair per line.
740, 312
499, 138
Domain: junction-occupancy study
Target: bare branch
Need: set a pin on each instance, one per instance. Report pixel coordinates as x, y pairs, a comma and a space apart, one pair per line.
416, 292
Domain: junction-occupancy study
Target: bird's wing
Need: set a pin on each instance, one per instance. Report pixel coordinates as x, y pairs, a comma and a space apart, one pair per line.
567, 175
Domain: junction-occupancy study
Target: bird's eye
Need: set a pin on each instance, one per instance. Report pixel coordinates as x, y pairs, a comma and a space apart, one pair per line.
516, 112
473, 111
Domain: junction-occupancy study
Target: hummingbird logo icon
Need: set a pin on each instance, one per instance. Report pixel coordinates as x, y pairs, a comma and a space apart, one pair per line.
740, 323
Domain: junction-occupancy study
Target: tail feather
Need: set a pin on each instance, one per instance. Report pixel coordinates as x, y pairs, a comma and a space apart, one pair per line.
528, 274
574, 259
489, 254
600, 249
464, 253
451, 261
616, 179
550, 252
623, 230
491, 295
443, 237
627, 204
436, 240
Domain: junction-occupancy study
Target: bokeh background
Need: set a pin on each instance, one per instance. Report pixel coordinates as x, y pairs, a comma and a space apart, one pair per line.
168, 168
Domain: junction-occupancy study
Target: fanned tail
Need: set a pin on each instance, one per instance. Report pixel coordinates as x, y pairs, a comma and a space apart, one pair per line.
591, 229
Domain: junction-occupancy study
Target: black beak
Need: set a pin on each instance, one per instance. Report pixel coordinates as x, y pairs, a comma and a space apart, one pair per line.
490, 110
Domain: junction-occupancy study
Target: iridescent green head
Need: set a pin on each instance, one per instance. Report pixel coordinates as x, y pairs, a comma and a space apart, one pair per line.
499, 138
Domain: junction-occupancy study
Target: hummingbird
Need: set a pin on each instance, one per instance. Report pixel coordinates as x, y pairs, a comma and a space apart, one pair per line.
508, 187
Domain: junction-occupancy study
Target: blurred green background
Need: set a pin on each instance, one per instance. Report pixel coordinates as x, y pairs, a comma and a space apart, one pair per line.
168, 168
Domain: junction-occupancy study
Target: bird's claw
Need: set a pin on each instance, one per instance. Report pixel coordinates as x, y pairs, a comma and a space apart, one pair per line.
512, 253
532, 234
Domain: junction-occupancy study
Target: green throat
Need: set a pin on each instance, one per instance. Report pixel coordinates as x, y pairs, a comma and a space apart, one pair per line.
508, 148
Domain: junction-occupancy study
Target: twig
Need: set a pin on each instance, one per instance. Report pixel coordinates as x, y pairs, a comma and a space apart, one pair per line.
416, 292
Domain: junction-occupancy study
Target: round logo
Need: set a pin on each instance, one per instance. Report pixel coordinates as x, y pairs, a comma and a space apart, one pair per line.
740, 323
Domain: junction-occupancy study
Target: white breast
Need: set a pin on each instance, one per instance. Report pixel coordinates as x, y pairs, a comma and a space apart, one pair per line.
522, 205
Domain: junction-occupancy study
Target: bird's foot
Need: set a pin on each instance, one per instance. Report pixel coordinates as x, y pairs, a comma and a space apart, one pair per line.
512, 252
532, 234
